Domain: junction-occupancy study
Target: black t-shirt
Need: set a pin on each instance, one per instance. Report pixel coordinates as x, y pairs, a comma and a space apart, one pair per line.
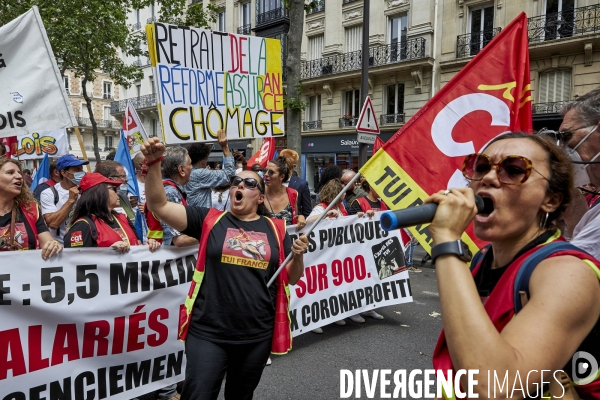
24, 236
355, 206
487, 278
80, 234
234, 304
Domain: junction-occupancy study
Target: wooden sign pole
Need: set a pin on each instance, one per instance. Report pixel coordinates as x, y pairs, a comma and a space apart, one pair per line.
83, 153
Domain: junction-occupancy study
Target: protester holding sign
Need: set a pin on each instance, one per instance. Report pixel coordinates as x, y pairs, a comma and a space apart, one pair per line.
368, 204
281, 201
327, 194
232, 317
525, 183
95, 223
22, 226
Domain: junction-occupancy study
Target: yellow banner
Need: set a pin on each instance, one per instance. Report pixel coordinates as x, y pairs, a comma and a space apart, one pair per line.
399, 191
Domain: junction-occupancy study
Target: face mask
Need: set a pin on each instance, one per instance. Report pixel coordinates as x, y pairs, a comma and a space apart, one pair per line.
77, 177
579, 167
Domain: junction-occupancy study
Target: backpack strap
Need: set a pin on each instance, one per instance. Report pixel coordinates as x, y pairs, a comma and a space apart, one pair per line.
55, 193
90, 222
521, 292
478, 257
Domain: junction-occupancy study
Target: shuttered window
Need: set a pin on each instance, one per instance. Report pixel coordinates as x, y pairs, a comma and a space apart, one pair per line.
554, 86
353, 38
315, 47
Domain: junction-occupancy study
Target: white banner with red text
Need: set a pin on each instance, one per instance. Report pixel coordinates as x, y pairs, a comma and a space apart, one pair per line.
91, 323
351, 266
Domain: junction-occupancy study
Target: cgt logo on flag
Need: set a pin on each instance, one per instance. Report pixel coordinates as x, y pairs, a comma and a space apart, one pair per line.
485, 99
76, 239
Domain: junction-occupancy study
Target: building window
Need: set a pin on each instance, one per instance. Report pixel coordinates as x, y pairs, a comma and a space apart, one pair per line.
138, 90
353, 38
394, 100
351, 103
89, 88
154, 127
106, 113
559, 19
268, 5
398, 27
315, 47
107, 90
481, 27
153, 90
108, 142
313, 111
245, 11
555, 86
221, 22
66, 82
84, 111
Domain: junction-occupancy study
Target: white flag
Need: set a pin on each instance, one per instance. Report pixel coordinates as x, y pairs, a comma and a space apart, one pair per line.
133, 129
32, 95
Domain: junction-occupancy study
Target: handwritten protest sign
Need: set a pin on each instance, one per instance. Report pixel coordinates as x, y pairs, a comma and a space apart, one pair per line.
35, 145
206, 81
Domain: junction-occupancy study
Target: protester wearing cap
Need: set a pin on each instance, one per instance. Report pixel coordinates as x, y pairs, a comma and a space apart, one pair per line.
95, 223
21, 224
56, 213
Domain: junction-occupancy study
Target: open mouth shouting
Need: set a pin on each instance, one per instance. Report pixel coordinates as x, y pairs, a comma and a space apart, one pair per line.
488, 208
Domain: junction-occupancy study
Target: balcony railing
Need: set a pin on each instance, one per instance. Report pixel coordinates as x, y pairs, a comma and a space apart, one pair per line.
547, 108
470, 44
137, 62
405, 50
564, 24
387, 119
348, 1
145, 101
101, 123
319, 6
272, 15
151, 20
107, 96
311, 125
346, 122
137, 26
244, 29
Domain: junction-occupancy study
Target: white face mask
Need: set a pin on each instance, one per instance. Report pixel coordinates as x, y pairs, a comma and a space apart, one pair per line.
579, 167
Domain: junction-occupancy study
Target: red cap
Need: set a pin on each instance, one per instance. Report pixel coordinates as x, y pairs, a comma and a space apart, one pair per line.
92, 179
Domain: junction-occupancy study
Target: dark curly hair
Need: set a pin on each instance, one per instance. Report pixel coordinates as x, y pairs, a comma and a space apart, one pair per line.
198, 152
560, 180
329, 173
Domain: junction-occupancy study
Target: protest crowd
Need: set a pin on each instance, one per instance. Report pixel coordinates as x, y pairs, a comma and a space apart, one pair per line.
529, 206
182, 202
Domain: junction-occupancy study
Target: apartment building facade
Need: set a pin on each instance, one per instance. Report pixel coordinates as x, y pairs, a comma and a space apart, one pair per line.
412, 54
264, 18
103, 92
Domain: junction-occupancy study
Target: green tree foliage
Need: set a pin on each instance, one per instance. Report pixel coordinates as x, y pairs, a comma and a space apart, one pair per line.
89, 36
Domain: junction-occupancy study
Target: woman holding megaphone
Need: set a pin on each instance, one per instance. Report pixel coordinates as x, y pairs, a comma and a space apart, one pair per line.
494, 319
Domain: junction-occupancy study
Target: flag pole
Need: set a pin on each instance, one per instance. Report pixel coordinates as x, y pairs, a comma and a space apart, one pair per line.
312, 227
83, 153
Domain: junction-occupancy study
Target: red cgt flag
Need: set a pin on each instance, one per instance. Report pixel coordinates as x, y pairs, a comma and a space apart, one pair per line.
489, 96
377, 145
264, 154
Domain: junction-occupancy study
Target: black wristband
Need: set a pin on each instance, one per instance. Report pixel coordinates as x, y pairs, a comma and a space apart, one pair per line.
456, 247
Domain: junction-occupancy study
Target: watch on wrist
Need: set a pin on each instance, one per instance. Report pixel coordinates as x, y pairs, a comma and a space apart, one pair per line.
456, 247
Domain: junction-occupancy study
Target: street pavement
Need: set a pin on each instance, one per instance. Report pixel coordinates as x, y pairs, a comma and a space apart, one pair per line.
405, 339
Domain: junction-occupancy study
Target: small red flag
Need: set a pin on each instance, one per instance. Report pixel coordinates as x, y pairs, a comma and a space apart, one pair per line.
264, 154
377, 145
489, 96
